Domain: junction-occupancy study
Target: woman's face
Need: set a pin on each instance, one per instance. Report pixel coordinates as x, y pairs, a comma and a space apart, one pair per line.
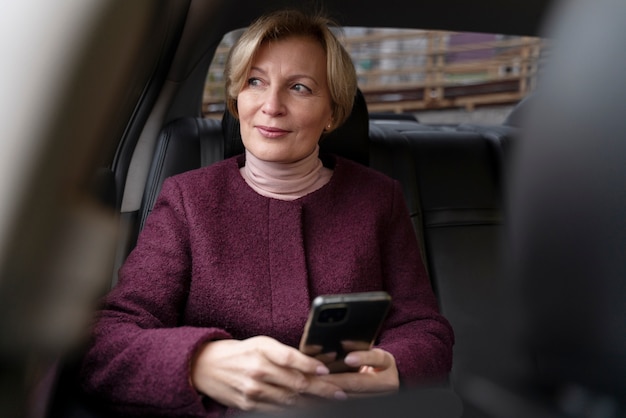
285, 104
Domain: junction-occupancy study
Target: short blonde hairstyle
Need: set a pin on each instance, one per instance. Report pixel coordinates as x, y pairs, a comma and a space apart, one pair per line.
341, 75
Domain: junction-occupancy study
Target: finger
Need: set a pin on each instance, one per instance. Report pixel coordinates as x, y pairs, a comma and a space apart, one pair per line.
267, 398
321, 388
266, 395
376, 358
315, 351
363, 383
326, 357
349, 345
311, 349
295, 382
255, 390
288, 357
378, 373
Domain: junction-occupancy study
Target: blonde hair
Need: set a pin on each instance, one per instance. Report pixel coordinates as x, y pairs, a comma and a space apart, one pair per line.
341, 75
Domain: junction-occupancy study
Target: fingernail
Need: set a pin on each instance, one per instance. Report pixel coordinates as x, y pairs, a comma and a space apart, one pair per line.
351, 360
341, 396
322, 370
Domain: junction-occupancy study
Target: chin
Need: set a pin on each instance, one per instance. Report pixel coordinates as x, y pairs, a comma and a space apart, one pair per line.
273, 157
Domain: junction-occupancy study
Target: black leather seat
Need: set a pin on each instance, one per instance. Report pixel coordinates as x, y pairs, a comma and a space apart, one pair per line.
179, 149
391, 154
460, 198
453, 189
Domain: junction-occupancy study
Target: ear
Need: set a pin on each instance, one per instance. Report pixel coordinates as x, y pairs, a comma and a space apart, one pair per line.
329, 126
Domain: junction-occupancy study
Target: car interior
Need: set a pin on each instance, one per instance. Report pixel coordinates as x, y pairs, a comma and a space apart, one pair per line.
487, 203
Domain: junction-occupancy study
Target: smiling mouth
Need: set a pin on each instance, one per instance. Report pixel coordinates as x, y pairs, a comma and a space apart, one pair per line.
270, 132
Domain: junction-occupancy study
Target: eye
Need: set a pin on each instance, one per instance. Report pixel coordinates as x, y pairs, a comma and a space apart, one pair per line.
254, 82
301, 88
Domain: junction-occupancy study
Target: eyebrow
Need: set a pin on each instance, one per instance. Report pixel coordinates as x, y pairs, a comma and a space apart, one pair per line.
291, 77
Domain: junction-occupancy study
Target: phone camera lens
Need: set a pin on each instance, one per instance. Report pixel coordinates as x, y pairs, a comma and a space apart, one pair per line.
332, 315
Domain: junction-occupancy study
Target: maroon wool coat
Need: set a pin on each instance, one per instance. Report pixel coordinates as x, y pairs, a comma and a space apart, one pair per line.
217, 260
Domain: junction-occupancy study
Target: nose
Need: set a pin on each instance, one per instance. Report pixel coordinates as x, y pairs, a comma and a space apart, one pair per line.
273, 102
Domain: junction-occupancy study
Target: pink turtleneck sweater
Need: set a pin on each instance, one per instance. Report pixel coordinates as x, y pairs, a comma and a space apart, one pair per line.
285, 181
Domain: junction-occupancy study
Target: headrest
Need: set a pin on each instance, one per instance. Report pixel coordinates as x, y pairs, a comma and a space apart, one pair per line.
350, 140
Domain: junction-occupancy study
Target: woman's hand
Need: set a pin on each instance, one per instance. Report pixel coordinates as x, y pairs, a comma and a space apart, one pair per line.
259, 374
377, 375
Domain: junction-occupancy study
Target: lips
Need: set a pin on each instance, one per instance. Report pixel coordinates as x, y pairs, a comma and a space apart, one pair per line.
271, 132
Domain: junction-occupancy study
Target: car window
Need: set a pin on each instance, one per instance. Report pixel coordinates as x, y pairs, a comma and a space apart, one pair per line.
440, 77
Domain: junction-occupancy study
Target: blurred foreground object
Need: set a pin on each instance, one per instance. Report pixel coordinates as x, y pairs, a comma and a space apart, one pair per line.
65, 79
567, 211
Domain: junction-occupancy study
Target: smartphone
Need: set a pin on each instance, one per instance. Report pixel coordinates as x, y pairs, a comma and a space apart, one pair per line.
339, 324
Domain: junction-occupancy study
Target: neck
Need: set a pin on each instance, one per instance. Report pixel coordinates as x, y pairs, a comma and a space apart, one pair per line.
285, 181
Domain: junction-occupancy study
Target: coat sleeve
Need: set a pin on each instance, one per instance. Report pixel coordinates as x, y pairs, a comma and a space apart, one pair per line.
418, 336
138, 358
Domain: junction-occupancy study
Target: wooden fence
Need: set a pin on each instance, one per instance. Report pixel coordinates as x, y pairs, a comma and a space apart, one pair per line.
410, 70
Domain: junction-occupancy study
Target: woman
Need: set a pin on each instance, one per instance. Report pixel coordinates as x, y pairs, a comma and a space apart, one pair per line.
212, 302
